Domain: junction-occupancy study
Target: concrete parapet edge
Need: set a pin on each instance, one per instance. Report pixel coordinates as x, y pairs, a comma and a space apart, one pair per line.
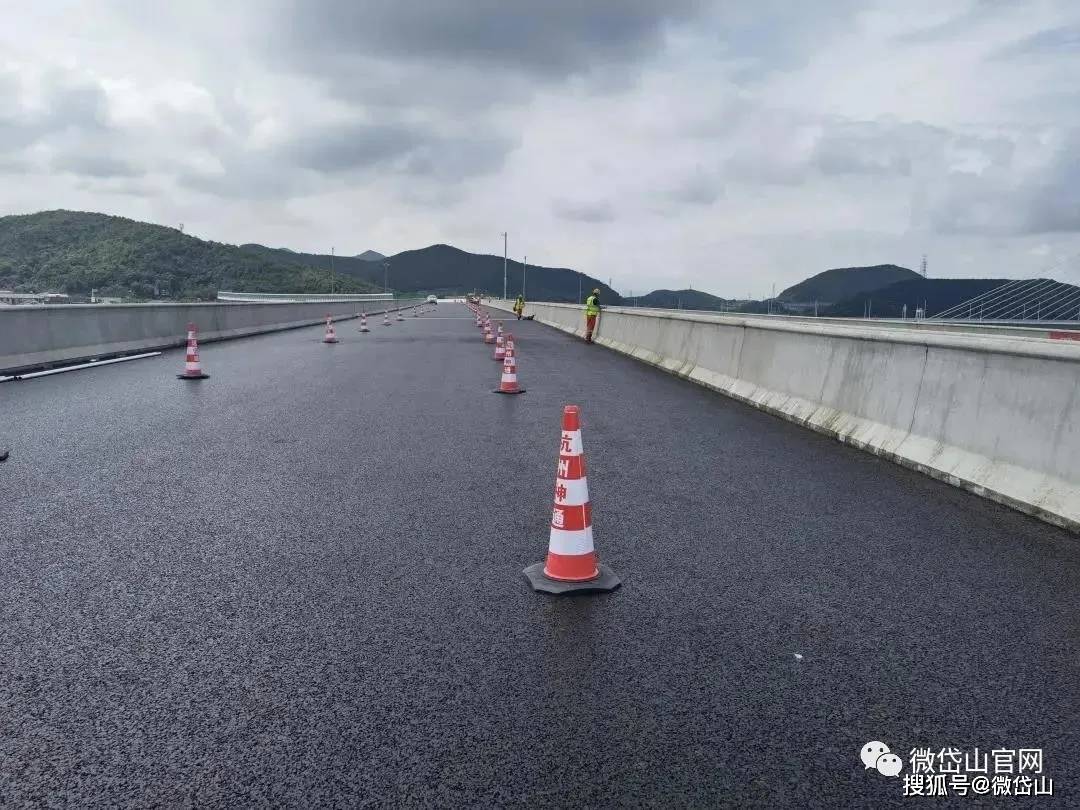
1026, 488
29, 340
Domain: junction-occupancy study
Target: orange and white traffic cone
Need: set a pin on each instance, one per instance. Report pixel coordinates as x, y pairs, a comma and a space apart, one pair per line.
479, 322
489, 336
508, 384
571, 565
363, 323
331, 335
386, 318
192, 367
500, 348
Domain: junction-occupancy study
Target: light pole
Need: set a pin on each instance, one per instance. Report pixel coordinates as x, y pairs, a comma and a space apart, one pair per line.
504, 265
385, 278
524, 264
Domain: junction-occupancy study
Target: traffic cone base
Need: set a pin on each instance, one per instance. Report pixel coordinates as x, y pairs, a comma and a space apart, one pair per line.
606, 580
501, 391
202, 375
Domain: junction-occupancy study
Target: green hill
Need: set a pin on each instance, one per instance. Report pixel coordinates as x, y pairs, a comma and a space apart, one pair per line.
446, 270
74, 252
842, 283
683, 299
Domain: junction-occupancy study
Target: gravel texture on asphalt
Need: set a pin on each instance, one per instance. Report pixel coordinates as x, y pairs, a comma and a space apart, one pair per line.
298, 583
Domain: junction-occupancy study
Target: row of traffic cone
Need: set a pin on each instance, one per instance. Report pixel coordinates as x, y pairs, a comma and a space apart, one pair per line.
571, 565
193, 366
504, 351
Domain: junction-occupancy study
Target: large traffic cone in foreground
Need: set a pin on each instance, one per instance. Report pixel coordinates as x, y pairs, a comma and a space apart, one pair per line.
331, 335
192, 367
571, 565
500, 348
363, 323
509, 384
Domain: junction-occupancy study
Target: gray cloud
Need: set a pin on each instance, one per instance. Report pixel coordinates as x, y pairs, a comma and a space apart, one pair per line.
1035, 192
95, 165
64, 103
769, 36
337, 154
346, 148
698, 189
873, 147
409, 149
783, 119
554, 39
596, 211
1052, 42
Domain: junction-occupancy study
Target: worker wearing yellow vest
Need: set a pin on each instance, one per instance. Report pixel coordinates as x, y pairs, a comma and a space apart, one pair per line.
519, 306
592, 311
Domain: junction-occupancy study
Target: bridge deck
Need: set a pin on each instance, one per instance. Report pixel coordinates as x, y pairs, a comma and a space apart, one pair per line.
299, 582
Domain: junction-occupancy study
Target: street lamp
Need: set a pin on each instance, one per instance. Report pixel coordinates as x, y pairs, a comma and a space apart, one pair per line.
504, 265
385, 278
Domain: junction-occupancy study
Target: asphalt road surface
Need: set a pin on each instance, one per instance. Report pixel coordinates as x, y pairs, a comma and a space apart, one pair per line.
298, 583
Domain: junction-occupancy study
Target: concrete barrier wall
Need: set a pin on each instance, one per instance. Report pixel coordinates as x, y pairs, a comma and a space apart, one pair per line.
34, 336
997, 415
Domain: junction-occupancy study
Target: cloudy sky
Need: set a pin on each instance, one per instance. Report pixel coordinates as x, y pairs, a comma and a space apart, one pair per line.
728, 145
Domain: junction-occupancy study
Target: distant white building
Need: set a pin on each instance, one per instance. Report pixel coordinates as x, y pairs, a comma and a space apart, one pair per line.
13, 298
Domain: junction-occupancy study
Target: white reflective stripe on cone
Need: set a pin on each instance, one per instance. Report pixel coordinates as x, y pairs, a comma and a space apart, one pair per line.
576, 491
571, 543
575, 443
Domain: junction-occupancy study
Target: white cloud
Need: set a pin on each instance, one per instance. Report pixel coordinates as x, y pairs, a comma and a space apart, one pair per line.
724, 145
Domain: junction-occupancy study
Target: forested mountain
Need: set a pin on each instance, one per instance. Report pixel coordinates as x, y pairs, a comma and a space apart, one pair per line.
446, 270
74, 252
939, 294
683, 299
842, 283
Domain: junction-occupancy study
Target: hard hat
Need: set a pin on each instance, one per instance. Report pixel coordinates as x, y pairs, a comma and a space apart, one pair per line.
597, 291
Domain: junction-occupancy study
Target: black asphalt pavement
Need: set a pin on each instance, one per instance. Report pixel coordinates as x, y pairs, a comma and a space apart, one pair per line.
298, 583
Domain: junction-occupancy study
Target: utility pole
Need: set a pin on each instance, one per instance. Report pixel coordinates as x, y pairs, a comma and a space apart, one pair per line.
524, 264
385, 278
579, 288
504, 265
331, 271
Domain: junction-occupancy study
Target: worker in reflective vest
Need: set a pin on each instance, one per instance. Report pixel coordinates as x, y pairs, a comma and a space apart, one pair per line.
592, 310
519, 306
